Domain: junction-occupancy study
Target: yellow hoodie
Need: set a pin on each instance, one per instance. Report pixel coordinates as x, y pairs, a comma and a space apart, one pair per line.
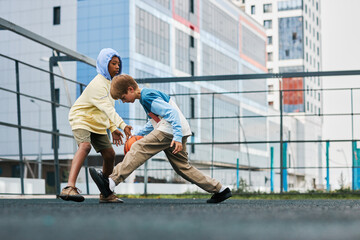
94, 109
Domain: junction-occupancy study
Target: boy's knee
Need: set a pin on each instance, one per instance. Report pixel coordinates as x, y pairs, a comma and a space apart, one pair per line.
85, 146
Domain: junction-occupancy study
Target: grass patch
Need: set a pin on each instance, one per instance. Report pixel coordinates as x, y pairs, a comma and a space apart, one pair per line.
338, 194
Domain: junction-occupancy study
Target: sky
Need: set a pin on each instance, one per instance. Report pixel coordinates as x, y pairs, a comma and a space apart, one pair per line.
340, 51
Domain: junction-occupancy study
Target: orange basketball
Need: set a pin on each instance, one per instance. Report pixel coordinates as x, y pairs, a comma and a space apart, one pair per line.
129, 142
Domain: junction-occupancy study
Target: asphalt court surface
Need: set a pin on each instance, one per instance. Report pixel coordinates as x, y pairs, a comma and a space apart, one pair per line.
183, 219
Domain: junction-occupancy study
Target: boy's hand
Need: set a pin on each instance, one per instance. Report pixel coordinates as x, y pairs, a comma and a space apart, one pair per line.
127, 131
117, 137
177, 148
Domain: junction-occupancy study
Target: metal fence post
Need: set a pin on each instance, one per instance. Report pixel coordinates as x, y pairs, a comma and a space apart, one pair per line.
145, 177
19, 128
52, 62
237, 173
213, 134
281, 142
327, 167
272, 169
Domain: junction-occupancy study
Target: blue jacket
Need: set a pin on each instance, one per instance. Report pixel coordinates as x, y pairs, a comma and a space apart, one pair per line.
172, 120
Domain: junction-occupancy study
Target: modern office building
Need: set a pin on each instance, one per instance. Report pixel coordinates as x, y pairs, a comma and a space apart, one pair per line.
293, 29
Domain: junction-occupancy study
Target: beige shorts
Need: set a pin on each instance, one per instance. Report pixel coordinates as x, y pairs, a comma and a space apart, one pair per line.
98, 141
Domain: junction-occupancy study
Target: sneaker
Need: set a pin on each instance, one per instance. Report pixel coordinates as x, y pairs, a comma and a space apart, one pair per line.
219, 197
71, 194
110, 199
101, 182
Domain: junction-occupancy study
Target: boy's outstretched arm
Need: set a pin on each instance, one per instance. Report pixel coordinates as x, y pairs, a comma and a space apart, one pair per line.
99, 97
145, 130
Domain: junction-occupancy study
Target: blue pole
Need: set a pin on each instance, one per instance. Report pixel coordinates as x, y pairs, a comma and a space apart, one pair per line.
354, 169
272, 169
285, 185
327, 167
237, 173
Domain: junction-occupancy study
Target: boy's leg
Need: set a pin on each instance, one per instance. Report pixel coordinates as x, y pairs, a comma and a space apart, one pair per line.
181, 165
77, 162
70, 192
108, 155
140, 152
102, 144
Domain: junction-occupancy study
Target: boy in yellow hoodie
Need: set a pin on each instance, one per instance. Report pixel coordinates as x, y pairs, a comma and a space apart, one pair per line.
90, 116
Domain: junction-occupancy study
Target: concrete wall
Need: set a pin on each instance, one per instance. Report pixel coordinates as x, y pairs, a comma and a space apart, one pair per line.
13, 185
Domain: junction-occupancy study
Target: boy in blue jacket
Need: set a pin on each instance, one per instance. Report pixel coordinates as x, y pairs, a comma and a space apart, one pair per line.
167, 130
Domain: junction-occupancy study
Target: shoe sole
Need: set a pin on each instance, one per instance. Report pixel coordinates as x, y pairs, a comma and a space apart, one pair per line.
99, 183
72, 198
228, 195
102, 201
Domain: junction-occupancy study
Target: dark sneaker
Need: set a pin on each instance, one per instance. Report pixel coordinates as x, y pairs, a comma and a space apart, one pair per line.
71, 194
101, 182
110, 199
219, 197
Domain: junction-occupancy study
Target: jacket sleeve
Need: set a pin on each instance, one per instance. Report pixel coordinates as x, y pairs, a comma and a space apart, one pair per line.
147, 128
99, 97
170, 114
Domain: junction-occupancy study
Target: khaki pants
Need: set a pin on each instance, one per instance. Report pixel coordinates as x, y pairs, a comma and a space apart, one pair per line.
154, 143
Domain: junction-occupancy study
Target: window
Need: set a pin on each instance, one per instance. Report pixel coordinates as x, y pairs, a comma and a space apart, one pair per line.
268, 24
192, 41
267, 8
287, 52
307, 106
317, 33
269, 40
191, 6
57, 96
270, 56
253, 9
271, 89
305, 8
192, 107
319, 96
192, 68
56, 19
294, 36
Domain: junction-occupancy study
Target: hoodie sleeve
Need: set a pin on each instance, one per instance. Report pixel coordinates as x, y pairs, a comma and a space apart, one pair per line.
146, 129
170, 114
98, 96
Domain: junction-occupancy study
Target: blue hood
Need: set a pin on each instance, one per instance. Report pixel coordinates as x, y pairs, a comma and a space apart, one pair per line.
103, 60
